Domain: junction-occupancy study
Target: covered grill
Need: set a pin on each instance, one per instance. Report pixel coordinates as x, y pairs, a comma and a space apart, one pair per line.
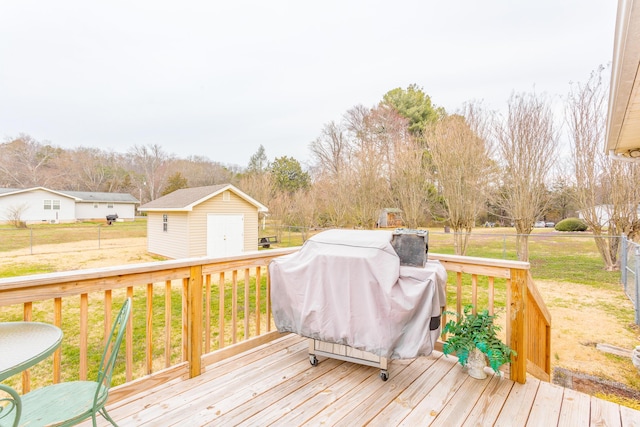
348, 292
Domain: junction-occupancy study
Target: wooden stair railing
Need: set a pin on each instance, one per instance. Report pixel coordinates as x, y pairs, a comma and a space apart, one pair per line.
527, 319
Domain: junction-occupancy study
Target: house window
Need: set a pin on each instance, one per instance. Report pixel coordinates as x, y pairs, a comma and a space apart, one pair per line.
164, 222
110, 205
51, 204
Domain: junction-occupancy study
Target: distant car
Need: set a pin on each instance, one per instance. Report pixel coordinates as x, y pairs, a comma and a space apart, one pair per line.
539, 224
549, 224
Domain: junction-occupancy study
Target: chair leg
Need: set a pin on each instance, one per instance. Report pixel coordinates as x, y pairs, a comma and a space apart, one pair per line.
106, 415
9, 404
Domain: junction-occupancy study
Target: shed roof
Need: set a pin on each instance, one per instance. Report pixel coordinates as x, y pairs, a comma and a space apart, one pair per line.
185, 199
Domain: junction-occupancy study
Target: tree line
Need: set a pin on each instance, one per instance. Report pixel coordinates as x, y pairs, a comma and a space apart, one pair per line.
462, 168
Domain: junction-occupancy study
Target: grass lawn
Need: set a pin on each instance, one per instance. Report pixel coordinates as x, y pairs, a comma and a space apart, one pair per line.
12, 238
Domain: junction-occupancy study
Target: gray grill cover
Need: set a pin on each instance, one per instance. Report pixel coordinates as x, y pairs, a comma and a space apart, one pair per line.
347, 287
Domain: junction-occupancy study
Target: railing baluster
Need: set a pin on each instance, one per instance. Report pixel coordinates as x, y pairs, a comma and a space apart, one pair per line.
107, 319
258, 280
207, 316
246, 303
27, 313
459, 293
149, 329
107, 315
474, 293
268, 302
221, 311
57, 355
84, 332
234, 306
491, 291
129, 338
167, 323
185, 344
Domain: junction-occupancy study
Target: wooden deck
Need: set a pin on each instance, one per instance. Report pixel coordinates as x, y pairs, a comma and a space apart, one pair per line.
275, 385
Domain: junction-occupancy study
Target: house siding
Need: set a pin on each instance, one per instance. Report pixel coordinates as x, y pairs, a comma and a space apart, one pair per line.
87, 210
172, 243
34, 203
235, 205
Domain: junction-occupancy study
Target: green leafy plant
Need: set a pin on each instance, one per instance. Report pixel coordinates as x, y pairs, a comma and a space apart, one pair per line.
470, 331
571, 224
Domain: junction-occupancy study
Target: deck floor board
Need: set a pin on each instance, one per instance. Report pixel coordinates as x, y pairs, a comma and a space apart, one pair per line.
274, 384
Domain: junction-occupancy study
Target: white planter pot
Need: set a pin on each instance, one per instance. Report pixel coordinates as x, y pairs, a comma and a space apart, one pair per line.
476, 364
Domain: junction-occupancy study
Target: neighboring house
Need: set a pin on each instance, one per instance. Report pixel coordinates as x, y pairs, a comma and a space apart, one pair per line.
43, 205
213, 221
390, 217
603, 213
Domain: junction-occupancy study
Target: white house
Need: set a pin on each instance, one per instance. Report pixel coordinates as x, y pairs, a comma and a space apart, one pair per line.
603, 213
213, 221
43, 205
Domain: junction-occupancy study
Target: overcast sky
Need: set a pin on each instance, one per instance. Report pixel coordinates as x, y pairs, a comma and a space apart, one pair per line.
220, 78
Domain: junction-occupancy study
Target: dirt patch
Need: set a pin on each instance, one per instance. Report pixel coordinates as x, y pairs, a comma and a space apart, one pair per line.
84, 254
593, 385
582, 317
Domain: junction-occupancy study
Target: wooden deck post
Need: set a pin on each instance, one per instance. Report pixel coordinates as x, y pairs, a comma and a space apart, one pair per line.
516, 323
194, 321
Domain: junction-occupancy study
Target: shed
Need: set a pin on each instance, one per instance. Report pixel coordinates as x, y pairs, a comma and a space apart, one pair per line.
212, 221
390, 217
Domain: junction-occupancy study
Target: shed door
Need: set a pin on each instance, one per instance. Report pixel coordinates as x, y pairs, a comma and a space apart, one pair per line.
225, 235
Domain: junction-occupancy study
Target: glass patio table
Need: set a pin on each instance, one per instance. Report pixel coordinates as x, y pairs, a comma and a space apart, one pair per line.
23, 344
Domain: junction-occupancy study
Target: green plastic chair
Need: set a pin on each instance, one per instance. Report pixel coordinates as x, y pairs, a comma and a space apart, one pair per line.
8, 404
69, 403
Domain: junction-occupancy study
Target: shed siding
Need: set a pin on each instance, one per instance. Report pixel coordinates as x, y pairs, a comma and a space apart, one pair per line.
235, 205
172, 243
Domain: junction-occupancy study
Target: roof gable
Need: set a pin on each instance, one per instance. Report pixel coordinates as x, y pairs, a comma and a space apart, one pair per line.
186, 198
78, 196
11, 191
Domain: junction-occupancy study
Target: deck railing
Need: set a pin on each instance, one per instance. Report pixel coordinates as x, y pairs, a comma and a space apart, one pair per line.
508, 287
190, 313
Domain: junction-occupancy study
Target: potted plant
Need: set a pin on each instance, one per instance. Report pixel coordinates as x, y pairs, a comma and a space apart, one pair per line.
473, 338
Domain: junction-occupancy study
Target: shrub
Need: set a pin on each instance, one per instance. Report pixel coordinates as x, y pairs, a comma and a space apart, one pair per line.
571, 224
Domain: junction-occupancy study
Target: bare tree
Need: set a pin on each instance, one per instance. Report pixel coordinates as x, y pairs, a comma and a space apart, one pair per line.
14, 214
259, 186
91, 169
25, 162
332, 175
330, 150
463, 166
527, 144
603, 184
369, 167
410, 183
150, 163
